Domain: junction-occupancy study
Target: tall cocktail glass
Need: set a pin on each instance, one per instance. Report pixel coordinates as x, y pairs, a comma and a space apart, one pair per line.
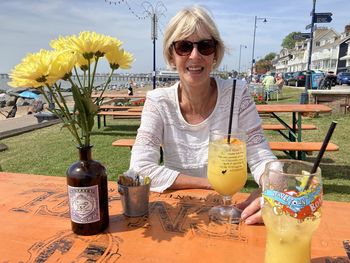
227, 171
291, 212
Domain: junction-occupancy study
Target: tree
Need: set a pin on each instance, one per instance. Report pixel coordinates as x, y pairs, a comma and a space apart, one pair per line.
270, 56
265, 64
289, 42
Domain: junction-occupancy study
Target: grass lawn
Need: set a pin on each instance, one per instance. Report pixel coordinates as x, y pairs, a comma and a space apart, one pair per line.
49, 151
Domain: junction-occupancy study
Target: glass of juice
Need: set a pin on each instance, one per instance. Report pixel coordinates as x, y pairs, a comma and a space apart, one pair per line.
291, 209
227, 172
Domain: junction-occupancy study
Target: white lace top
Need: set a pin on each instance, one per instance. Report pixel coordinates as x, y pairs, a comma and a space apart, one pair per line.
185, 146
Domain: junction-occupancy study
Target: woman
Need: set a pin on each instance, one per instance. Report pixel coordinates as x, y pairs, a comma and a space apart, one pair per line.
179, 118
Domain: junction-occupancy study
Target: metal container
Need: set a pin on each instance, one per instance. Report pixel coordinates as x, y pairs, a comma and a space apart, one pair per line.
135, 199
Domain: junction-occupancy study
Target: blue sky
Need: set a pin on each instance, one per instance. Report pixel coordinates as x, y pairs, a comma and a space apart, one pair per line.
28, 25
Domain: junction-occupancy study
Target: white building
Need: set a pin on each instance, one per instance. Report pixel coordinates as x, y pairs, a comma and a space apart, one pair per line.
329, 49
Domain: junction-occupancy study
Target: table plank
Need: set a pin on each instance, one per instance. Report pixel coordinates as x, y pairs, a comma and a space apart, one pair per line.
35, 227
269, 108
119, 96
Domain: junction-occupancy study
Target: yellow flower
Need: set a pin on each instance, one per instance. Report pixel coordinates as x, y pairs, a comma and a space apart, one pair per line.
119, 58
62, 43
62, 65
46, 68
33, 71
82, 62
111, 43
88, 44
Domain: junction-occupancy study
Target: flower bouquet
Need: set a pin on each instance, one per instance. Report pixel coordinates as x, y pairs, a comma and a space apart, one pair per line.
87, 178
46, 69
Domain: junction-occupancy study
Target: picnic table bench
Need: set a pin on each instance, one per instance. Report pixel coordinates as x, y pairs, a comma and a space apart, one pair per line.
117, 115
107, 107
284, 146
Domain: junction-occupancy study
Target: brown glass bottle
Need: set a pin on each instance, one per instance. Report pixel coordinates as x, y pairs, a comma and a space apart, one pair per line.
88, 194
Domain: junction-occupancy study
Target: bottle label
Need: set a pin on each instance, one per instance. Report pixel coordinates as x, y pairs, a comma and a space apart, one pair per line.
84, 204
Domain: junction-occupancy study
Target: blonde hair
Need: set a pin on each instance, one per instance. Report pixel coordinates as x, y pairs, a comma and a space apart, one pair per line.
188, 21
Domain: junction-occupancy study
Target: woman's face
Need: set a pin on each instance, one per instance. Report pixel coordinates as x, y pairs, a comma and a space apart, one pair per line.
194, 68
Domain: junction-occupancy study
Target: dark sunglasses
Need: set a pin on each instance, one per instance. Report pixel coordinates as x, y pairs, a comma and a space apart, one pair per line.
206, 47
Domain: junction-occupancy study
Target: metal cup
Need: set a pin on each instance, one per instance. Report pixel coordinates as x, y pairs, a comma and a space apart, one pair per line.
135, 199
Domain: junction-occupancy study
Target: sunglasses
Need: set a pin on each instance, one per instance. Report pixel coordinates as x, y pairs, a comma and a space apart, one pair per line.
206, 47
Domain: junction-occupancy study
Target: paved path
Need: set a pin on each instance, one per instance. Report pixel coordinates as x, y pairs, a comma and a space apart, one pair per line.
14, 126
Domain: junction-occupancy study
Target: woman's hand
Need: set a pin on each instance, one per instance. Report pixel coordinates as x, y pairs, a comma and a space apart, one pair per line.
251, 207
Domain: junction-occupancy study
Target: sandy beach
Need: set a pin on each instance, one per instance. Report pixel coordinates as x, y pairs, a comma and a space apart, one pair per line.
23, 110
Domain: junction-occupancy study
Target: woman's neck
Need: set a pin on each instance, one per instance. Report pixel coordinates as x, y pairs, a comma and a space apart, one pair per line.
197, 103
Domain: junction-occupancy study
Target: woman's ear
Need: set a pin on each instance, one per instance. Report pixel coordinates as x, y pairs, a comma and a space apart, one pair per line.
172, 63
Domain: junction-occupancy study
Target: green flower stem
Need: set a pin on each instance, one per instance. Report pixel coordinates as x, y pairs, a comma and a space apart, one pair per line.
63, 100
82, 113
89, 77
84, 83
97, 101
57, 101
76, 74
93, 75
71, 127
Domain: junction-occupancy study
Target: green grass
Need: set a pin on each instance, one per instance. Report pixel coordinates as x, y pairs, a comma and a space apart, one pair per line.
49, 151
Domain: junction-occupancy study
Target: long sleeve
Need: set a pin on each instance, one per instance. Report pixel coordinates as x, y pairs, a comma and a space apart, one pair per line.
146, 151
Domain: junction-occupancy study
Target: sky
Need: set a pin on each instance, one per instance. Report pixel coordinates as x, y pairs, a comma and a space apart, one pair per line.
26, 26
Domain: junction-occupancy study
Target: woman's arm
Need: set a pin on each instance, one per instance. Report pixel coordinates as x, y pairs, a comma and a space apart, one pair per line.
258, 154
184, 181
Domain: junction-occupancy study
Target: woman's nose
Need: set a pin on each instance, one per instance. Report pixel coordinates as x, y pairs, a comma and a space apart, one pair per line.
195, 52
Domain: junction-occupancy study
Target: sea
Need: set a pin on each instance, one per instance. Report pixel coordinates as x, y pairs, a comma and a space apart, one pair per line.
118, 84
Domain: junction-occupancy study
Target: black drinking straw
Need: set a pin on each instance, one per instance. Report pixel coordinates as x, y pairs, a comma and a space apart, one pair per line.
231, 110
320, 153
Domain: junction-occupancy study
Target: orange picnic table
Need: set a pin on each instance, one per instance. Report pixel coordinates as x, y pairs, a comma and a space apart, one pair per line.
119, 96
35, 227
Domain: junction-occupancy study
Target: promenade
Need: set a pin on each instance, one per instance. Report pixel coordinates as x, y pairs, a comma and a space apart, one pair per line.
14, 126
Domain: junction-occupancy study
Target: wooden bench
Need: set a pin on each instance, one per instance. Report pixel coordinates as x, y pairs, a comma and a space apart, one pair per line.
116, 115
279, 127
107, 107
275, 146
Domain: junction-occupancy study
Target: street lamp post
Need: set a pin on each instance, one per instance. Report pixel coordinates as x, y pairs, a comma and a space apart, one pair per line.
304, 96
154, 12
264, 21
239, 60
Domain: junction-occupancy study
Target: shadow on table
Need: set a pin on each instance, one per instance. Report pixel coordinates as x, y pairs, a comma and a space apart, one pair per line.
173, 215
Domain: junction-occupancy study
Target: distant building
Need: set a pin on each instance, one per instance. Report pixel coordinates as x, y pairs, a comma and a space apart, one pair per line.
330, 52
344, 51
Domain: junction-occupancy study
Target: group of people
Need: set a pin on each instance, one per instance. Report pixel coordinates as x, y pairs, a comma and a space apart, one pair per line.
179, 118
270, 81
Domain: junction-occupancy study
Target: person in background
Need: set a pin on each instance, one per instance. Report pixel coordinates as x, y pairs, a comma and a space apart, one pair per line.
279, 81
267, 82
130, 90
179, 118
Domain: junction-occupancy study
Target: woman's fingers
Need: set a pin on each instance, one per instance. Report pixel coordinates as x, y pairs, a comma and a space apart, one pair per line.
252, 213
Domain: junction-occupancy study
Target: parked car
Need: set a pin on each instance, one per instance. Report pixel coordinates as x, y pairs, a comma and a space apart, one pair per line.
343, 78
332, 77
286, 77
298, 79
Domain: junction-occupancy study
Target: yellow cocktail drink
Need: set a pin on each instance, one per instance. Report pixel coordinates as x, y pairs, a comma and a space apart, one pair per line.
288, 239
227, 166
291, 209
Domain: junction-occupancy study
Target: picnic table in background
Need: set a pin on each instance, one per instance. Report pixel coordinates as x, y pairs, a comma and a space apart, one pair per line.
35, 227
118, 111
295, 128
291, 131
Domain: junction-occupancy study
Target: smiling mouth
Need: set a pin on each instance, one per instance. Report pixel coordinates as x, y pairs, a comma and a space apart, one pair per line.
195, 69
